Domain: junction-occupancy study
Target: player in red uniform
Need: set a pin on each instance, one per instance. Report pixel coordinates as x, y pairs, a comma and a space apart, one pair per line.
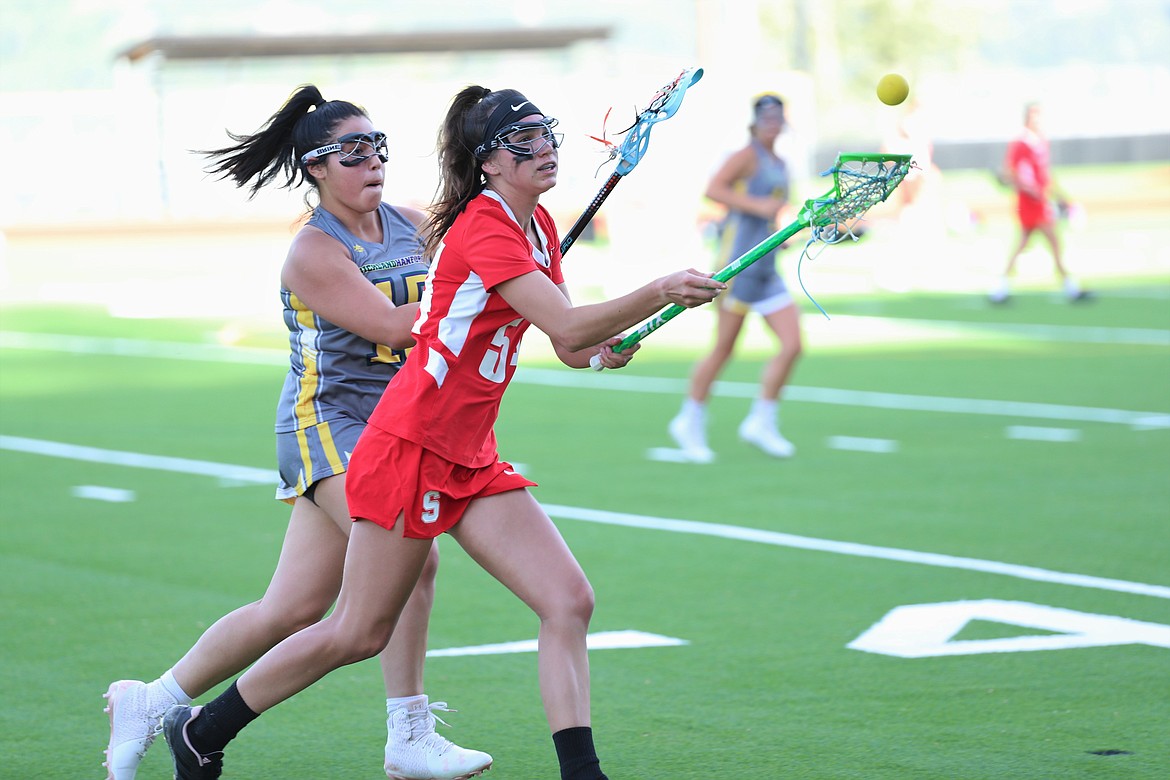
427, 462
1027, 168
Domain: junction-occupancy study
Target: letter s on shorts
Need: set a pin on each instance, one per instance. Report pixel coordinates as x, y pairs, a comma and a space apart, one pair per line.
430, 506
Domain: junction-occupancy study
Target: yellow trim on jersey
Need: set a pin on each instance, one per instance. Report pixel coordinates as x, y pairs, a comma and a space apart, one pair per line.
306, 410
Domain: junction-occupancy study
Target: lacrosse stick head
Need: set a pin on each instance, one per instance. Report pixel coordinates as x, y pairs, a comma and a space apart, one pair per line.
860, 181
662, 106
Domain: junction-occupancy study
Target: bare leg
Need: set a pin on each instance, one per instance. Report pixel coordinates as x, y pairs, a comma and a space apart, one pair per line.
707, 370
511, 537
1048, 230
381, 569
786, 325
302, 589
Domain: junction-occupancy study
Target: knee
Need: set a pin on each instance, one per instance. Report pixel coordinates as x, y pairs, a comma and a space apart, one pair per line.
284, 620
577, 602
352, 643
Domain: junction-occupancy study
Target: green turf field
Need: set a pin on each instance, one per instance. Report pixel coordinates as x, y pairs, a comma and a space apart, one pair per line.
1008, 466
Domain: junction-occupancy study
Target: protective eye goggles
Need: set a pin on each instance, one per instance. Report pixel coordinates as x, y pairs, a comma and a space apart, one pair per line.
526, 139
353, 149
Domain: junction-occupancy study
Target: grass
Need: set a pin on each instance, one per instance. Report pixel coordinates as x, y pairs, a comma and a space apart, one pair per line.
766, 685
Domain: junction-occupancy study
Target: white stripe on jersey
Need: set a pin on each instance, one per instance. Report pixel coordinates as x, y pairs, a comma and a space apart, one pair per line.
437, 366
467, 304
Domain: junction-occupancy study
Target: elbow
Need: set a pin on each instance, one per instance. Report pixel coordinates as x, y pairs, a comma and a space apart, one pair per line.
401, 342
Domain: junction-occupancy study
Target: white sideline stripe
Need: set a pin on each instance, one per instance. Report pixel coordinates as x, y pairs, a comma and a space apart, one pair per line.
139, 461
852, 548
828, 395
591, 380
604, 640
228, 471
100, 493
1079, 334
860, 444
1033, 433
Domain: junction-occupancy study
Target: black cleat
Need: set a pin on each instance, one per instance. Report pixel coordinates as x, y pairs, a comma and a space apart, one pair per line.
189, 763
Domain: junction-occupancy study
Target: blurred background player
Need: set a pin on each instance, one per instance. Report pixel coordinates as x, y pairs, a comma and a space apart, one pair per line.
1027, 169
753, 185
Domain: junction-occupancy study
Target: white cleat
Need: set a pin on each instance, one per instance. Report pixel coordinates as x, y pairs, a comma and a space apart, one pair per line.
766, 437
688, 434
415, 751
133, 727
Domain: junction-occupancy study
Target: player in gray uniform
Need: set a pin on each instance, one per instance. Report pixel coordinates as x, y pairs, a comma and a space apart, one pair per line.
335, 376
350, 285
753, 185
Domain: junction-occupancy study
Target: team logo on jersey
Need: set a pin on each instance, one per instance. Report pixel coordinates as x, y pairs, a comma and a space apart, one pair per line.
359, 249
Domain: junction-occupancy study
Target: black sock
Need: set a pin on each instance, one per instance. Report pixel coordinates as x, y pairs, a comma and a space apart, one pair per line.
576, 754
219, 721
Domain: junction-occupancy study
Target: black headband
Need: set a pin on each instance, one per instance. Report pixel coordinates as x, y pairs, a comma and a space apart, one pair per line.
505, 114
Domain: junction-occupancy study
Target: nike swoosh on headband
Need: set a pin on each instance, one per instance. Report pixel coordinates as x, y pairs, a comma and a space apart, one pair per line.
519, 106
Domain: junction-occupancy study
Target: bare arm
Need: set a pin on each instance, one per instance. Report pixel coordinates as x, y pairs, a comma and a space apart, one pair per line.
721, 189
576, 328
321, 274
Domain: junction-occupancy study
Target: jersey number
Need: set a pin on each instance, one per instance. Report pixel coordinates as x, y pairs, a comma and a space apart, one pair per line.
413, 283
499, 355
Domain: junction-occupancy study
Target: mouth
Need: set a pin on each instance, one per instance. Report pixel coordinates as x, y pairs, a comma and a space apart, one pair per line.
548, 167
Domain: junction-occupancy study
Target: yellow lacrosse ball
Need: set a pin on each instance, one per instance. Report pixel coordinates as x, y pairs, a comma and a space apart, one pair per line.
892, 89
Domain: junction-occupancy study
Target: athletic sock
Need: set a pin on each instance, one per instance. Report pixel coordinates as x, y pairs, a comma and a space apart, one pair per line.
694, 410
576, 754
171, 685
764, 410
220, 721
394, 703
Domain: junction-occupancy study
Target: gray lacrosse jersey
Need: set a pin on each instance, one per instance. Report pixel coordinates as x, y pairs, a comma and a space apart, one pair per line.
742, 232
335, 374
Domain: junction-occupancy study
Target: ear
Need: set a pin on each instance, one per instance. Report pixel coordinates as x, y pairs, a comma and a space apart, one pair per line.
489, 166
317, 168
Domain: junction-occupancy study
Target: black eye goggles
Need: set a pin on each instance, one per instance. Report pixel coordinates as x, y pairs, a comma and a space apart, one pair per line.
352, 149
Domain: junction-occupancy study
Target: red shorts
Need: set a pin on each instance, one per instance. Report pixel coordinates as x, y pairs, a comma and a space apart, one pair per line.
390, 476
1033, 212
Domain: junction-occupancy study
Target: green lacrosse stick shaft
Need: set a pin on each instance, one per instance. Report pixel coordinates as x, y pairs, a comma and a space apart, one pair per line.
845, 202
807, 214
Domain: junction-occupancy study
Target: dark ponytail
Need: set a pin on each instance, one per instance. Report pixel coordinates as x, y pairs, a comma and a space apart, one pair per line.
305, 122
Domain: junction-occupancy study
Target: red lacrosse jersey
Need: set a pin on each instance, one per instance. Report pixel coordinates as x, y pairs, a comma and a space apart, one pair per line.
447, 396
1027, 159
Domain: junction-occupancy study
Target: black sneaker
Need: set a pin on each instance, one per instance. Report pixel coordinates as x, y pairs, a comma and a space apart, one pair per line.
189, 764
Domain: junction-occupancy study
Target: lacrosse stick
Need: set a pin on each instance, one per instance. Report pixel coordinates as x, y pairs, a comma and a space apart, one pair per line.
662, 106
859, 182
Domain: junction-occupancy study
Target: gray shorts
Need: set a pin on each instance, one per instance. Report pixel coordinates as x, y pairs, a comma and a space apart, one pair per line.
758, 288
312, 454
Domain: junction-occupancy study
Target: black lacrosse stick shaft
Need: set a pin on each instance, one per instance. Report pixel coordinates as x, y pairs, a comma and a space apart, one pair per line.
587, 215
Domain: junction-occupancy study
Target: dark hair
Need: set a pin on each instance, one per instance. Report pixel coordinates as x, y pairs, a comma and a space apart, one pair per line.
460, 175
305, 122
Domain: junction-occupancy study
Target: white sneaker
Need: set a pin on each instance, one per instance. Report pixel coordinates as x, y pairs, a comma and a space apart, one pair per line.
766, 437
134, 723
414, 751
690, 437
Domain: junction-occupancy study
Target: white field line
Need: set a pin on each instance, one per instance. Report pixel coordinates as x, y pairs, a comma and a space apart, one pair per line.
612, 381
1078, 334
738, 533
